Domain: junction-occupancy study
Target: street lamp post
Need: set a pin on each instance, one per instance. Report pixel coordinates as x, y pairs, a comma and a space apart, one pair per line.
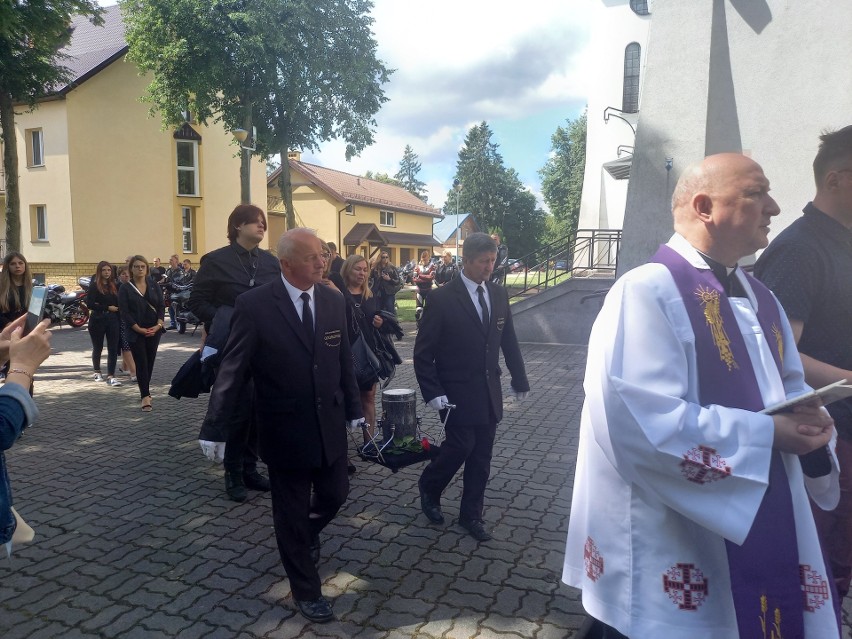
241, 136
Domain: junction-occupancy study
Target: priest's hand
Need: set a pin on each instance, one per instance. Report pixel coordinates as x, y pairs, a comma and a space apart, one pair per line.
804, 430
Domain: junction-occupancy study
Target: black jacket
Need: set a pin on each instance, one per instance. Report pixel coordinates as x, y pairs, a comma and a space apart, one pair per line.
454, 355
99, 302
304, 392
145, 311
226, 273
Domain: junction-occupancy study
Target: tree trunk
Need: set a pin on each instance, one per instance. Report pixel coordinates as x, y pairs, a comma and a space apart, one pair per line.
245, 159
286, 188
10, 165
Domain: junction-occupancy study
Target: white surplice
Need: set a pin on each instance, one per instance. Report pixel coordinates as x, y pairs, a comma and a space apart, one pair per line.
634, 515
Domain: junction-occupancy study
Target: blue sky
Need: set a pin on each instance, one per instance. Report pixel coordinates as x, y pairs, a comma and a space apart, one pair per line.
521, 67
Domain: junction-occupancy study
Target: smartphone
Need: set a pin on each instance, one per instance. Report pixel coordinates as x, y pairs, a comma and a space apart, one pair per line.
36, 308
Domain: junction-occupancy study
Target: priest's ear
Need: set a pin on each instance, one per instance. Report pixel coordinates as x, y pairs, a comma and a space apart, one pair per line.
702, 206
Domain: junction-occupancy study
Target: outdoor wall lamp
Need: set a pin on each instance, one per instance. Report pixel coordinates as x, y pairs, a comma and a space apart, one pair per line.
669, 163
350, 210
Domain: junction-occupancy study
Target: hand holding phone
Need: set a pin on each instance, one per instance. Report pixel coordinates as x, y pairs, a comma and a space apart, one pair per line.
38, 299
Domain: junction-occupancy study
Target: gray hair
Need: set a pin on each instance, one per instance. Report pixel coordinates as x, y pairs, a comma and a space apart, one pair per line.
476, 244
287, 242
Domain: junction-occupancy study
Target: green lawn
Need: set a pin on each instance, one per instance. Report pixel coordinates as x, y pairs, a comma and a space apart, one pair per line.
405, 305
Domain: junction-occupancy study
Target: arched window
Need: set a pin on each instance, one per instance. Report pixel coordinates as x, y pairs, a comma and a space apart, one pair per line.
640, 7
630, 97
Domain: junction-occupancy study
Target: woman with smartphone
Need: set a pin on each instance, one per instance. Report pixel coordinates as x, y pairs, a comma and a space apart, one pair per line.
16, 285
142, 308
104, 321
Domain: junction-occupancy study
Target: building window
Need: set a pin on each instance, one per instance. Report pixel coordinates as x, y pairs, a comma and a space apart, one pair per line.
630, 99
187, 215
386, 218
640, 7
38, 223
35, 147
187, 167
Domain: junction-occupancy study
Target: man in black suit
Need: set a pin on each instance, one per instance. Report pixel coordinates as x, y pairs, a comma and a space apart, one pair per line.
290, 334
456, 353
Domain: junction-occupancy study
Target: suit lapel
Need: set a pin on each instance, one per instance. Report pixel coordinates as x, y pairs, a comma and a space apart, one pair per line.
288, 310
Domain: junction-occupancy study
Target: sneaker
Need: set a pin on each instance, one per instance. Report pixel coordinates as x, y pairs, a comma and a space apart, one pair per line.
112, 381
133, 378
98, 377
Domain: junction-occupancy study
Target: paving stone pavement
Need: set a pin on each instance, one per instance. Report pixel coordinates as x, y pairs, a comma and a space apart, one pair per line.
135, 537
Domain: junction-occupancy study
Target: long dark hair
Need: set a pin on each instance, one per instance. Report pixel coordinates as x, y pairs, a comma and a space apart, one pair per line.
8, 289
109, 285
244, 214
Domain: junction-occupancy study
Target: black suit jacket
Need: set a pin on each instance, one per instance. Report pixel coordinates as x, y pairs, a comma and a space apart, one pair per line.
304, 393
455, 356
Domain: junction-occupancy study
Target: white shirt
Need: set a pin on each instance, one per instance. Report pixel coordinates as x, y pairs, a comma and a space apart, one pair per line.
471, 287
298, 302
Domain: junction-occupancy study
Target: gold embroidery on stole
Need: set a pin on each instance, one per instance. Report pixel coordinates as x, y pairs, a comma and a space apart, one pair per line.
709, 299
779, 340
775, 628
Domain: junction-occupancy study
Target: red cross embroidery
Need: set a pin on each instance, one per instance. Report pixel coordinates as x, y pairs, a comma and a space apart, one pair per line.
814, 588
686, 586
592, 560
703, 465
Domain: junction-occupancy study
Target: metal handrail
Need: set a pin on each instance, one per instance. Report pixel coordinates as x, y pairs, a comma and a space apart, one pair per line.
586, 253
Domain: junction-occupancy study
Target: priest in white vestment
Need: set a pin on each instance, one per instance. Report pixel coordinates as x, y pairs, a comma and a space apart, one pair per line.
682, 508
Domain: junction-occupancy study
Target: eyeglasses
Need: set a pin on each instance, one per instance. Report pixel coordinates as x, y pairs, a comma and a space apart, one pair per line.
325, 256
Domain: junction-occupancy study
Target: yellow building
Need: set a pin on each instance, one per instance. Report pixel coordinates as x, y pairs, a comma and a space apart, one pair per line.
357, 214
100, 179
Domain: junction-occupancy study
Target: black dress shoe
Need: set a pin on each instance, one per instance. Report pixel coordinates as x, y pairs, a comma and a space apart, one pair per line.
431, 508
255, 481
476, 528
316, 544
318, 611
235, 487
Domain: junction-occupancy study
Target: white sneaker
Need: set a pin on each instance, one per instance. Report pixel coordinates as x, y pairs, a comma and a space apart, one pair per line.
133, 378
98, 377
112, 381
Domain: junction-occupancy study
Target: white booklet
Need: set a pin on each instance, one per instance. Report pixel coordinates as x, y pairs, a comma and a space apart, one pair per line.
827, 394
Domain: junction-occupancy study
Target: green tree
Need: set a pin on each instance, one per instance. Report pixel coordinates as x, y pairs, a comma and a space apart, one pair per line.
409, 167
495, 195
31, 36
382, 177
562, 175
300, 72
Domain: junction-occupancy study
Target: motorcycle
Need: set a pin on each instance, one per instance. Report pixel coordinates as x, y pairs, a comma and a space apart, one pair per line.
183, 316
406, 273
67, 307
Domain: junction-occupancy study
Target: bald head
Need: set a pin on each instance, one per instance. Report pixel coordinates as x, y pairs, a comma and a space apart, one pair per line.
722, 206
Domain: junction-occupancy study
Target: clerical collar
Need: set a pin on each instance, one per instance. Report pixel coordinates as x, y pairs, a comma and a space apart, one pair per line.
725, 275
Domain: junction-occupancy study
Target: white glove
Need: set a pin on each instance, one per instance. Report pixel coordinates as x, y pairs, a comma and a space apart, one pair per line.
214, 451
439, 403
519, 395
356, 424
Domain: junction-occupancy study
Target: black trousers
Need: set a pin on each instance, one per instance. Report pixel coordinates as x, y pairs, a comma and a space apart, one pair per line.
470, 445
144, 350
298, 518
106, 325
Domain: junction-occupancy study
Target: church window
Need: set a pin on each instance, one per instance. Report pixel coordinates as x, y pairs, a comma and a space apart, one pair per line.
630, 96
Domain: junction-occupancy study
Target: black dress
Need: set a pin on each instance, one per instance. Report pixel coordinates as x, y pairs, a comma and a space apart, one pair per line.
359, 320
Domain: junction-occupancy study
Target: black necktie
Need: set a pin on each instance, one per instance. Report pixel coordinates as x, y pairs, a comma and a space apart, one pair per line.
307, 317
485, 319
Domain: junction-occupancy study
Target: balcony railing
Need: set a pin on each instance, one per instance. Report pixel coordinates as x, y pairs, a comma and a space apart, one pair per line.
588, 253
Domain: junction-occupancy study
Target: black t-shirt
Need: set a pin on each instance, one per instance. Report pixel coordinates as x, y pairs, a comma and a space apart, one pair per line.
809, 268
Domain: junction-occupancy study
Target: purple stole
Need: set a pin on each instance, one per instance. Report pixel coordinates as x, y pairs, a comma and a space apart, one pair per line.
764, 571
